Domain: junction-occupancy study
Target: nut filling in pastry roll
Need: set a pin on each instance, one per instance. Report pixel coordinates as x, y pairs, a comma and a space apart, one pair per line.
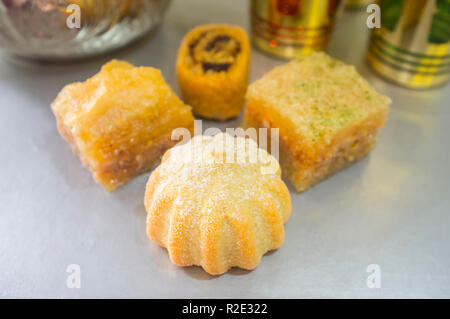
212, 70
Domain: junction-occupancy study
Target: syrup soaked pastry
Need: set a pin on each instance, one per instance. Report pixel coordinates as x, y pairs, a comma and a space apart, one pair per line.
212, 69
120, 121
328, 116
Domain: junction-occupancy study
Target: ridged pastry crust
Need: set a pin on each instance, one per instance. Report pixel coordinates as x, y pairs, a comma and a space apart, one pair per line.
213, 213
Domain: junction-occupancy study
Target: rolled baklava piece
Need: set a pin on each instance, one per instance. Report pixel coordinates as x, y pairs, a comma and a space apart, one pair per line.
328, 116
212, 69
120, 121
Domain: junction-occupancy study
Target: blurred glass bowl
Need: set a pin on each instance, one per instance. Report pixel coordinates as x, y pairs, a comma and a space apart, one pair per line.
48, 29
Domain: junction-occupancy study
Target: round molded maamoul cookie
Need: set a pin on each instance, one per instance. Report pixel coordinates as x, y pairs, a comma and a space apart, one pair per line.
217, 202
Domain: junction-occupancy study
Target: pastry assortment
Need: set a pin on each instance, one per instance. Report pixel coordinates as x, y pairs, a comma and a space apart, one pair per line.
328, 116
120, 121
206, 210
212, 69
212, 213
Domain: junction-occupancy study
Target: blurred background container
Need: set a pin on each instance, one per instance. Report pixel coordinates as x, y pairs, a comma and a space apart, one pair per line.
358, 4
412, 47
39, 29
290, 28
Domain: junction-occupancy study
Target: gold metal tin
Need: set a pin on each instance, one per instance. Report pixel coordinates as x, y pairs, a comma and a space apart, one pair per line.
291, 28
412, 47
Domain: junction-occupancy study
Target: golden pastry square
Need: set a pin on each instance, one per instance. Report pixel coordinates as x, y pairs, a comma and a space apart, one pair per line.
327, 114
120, 121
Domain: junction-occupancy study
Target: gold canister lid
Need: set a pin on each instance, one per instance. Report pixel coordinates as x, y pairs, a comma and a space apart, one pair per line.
291, 28
412, 47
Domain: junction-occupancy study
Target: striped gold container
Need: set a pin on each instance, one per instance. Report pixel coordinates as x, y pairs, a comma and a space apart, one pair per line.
290, 28
412, 47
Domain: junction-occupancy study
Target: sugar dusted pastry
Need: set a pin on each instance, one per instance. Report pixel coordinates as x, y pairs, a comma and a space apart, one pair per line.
212, 69
120, 121
213, 212
328, 116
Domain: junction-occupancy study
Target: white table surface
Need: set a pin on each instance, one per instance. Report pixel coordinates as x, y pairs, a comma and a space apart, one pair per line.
391, 209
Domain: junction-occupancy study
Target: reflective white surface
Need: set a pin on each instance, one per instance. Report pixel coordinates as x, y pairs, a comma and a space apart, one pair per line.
390, 209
